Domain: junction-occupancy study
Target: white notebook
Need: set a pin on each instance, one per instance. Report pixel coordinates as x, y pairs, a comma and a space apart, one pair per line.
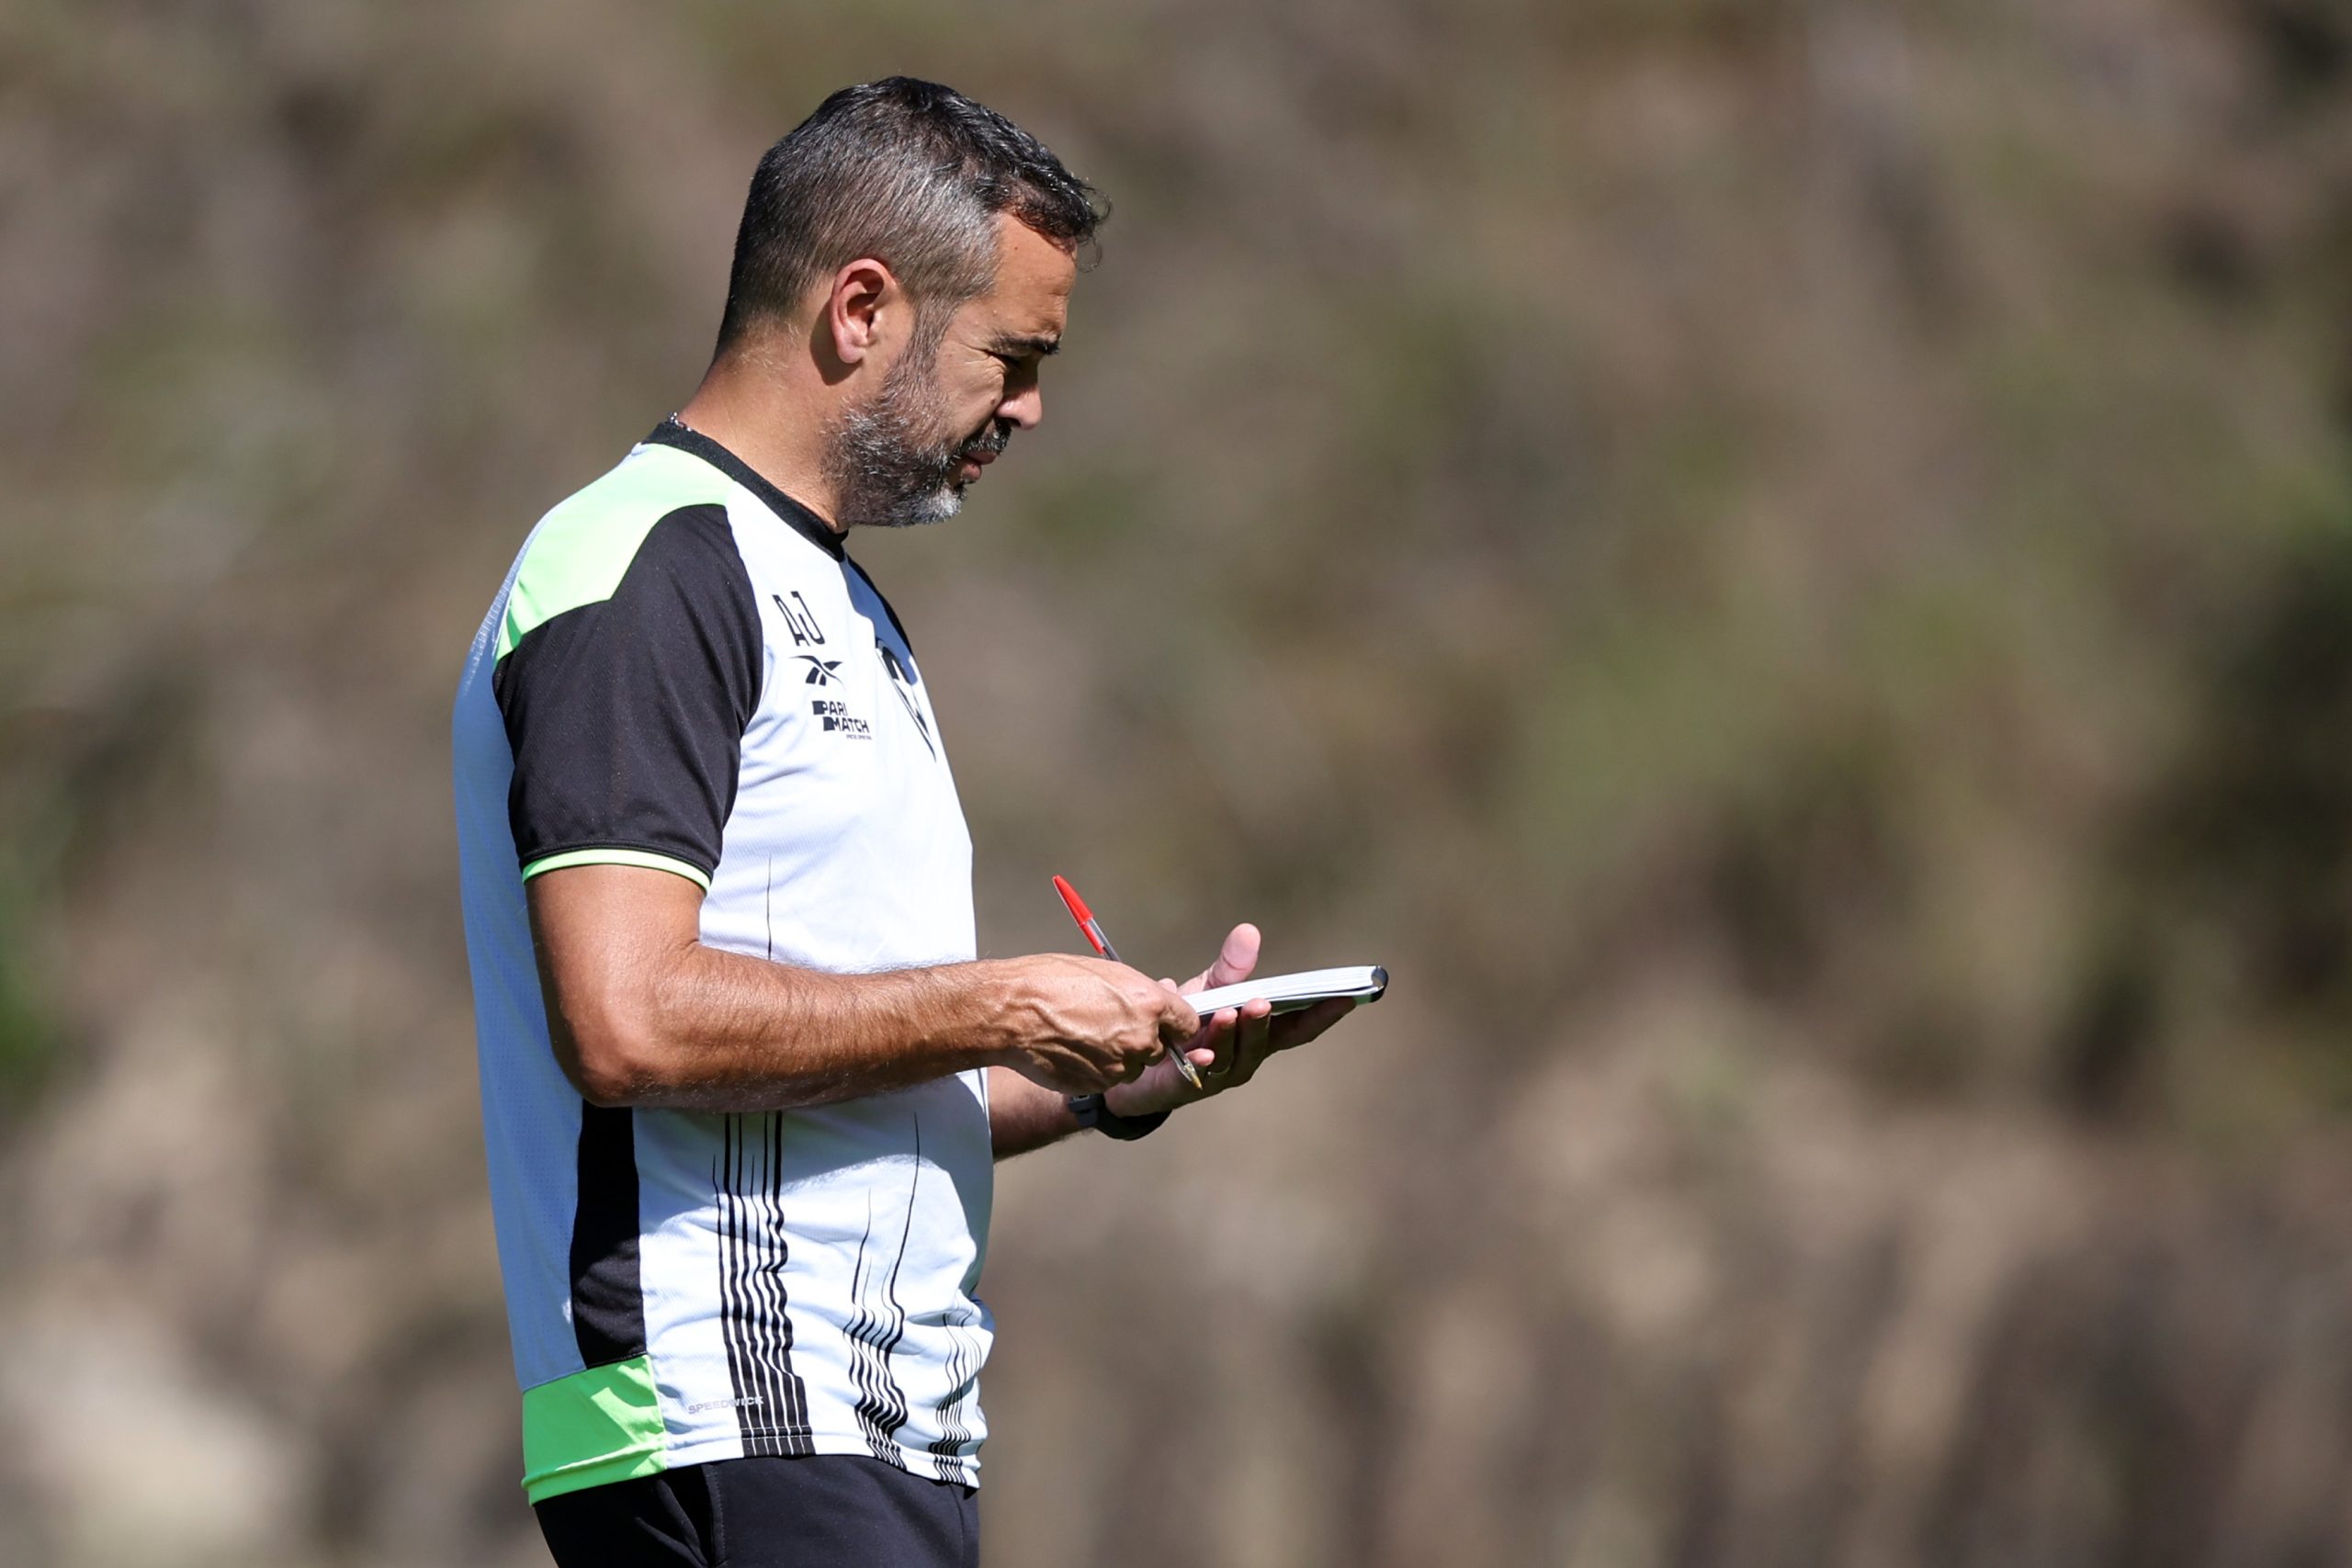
1291, 992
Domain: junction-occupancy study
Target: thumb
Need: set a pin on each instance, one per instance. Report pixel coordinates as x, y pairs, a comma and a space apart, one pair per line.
1237, 958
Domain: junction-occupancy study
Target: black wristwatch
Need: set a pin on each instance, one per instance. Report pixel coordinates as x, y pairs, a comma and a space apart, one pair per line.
1092, 1112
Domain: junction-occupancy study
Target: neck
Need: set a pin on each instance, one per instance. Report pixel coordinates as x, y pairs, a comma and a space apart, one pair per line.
752, 404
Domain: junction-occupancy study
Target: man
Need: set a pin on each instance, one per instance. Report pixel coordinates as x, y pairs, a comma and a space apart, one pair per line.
743, 1081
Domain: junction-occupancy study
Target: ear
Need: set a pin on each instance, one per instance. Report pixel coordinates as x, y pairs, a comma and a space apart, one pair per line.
854, 309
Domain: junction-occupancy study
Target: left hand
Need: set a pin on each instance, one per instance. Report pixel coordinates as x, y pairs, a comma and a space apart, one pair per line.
1233, 1044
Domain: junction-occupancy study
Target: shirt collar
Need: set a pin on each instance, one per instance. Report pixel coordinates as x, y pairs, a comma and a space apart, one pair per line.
670, 433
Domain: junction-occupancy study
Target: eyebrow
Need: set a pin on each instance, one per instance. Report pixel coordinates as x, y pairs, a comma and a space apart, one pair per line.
1038, 344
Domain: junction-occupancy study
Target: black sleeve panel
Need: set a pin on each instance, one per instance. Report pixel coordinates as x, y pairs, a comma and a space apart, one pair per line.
627, 716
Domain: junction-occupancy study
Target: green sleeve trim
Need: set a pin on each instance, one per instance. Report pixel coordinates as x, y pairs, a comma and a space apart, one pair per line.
594, 1427
676, 867
583, 547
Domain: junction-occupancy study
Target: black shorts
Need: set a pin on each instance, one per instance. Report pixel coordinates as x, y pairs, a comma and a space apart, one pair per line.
824, 1511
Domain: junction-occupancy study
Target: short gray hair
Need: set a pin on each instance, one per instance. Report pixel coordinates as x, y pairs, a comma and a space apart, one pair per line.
909, 173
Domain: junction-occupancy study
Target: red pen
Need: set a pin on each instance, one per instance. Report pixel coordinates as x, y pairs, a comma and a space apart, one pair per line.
1092, 929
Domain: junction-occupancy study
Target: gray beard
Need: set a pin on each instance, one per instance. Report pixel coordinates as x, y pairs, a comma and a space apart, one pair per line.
890, 466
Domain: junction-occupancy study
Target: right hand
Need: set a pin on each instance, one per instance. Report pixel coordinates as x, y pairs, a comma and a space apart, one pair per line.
1080, 1025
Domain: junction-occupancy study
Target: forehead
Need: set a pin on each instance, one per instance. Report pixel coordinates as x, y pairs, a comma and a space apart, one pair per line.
1034, 277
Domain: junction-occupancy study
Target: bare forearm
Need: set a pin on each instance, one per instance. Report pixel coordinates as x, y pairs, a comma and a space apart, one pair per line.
725, 1031
1024, 1115
641, 1013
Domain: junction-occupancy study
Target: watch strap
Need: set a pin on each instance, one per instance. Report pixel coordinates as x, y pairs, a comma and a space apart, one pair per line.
1093, 1112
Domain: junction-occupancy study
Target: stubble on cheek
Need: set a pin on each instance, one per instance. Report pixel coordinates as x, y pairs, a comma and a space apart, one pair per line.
888, 459
896, 459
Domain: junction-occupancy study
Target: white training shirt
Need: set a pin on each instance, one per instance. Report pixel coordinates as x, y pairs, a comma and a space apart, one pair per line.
685, 670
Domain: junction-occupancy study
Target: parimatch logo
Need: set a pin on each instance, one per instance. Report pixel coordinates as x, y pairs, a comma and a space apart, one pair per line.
837, 718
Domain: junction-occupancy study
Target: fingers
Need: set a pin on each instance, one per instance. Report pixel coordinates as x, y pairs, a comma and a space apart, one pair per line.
1297, 1028
1177, 1022
1217, 1039
1250, 1041
1119, 1017
1229, 1045
1262, 1035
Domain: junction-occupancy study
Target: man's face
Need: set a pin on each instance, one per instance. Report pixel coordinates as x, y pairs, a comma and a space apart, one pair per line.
955, 393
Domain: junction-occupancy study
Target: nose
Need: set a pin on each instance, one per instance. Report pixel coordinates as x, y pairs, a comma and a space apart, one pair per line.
1023, 403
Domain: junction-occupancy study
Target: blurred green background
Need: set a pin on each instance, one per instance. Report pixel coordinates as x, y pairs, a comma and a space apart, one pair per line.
1786, 564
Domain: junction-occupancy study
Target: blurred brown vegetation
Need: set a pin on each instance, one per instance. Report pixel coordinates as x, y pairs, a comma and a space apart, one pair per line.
1787, 564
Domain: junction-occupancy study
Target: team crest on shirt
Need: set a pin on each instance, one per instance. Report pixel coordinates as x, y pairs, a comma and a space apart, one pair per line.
902, 681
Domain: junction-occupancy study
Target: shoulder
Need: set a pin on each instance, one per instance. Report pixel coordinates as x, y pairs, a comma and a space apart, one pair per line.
660, 510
